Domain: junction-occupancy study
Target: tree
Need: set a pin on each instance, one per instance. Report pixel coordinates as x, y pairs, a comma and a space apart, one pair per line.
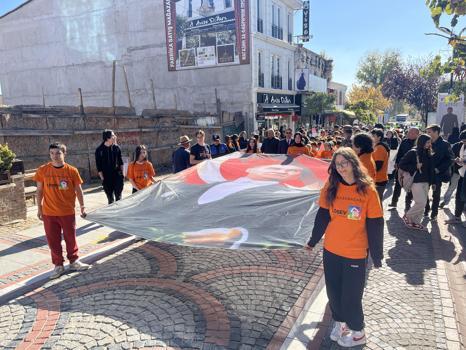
367, 102
318, 103
415, 84
376, 66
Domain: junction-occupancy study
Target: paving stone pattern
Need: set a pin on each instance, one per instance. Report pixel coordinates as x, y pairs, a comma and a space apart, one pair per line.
154, 295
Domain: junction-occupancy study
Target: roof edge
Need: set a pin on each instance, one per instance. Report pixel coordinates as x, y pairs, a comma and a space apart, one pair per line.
16, 8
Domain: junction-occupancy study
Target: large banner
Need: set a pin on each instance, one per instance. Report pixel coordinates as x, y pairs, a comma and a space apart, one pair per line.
445, 119
206, 33
235, 201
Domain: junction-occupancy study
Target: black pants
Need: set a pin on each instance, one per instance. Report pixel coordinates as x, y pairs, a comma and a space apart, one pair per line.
397, 193
435, 200
380, 190
459, 202
113, 186
344, 280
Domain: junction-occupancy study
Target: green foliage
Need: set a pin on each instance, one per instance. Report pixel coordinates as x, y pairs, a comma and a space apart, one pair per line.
363, 110
375, 67
6, 158
452, 8
317, 103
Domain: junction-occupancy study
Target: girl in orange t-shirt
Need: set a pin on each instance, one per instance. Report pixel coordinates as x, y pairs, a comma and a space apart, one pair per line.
141, 172
351, 217
363, 145
297, 147
327, 153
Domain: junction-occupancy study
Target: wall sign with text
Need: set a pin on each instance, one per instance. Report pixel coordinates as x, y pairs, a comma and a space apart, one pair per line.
206, 33
306, 10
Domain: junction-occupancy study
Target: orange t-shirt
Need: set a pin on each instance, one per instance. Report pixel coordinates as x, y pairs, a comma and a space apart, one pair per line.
368, 163
59, 195
141, 174
346, 233
326, 154
296, 151
381, 154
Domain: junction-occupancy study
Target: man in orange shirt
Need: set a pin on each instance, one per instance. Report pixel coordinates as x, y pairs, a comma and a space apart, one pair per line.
381, 157
58, 185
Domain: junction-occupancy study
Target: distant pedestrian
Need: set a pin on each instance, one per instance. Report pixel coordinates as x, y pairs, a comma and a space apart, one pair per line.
181, 156
58, 186
363, 146
443, 159
200, 151
348, 134
285, 142
406, 144
141, 172
110, 166
243, 140
298, 147
350, 216
449, 121
460, 166
420, 164
270, 144
252, 146
235, 142
381, 157
218, 148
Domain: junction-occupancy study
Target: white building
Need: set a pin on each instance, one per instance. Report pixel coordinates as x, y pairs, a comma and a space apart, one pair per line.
181, 56
339, 91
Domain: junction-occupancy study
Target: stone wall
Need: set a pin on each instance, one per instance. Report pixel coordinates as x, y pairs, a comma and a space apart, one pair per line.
12, 202
29, 130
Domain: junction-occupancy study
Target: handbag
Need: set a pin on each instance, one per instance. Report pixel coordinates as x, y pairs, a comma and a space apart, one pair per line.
405, 179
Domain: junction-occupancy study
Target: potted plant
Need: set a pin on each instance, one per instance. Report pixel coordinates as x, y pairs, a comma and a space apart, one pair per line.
6, 161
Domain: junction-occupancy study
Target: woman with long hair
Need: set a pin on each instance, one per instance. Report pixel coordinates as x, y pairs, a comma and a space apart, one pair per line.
298, 147
243, 140
235, 143
418, 162
392, 140
229, 143
351, 217
252, 146
140, 171
363, 146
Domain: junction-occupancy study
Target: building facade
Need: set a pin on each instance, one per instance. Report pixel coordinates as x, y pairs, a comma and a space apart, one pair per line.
153, 54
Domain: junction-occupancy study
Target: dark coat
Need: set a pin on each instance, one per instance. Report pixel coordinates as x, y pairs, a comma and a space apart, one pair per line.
409, 163
283, 146
405, 146
443, 158
270, 146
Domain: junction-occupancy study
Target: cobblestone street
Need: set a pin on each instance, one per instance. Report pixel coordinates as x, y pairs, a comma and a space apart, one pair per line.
154, 295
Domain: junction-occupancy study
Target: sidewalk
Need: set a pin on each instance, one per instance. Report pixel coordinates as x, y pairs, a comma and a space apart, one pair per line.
154, 295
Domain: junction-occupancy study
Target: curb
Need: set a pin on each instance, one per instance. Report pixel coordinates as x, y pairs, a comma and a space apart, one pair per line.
34, 282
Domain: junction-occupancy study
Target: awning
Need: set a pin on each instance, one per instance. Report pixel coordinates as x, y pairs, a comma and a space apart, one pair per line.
269, 107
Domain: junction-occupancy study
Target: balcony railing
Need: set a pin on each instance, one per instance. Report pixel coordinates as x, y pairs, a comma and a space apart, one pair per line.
276, 82
290, 84
290, 38
261, 79
277, 32
260, 25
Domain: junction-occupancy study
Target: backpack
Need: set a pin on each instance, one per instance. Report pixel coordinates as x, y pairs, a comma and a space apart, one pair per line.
405, 179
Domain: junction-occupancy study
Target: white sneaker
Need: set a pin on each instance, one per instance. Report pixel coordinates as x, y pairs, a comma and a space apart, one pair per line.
57, 272
79, 266
352, 338
337, 330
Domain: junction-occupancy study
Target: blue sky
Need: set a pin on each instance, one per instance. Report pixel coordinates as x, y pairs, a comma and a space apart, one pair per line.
347, 29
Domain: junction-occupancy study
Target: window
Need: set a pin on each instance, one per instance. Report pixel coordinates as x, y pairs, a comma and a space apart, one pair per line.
260, 73
290, 79
289, 29
260, 23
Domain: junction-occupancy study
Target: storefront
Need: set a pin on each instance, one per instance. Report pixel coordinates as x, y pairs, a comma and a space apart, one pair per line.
276, 110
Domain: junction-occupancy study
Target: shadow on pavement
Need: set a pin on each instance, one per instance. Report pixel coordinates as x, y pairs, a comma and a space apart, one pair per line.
459, 231
39, 242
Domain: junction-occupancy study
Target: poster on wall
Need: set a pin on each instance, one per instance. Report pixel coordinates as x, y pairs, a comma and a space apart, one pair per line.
449, 114
205, 33
302, 79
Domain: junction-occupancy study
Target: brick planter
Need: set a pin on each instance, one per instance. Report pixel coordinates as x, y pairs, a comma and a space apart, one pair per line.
12, 201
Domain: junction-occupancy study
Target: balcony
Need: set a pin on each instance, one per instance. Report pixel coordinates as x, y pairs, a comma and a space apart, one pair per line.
276, 82
290, 84
280, 33
274, 31
261, 79
260, 25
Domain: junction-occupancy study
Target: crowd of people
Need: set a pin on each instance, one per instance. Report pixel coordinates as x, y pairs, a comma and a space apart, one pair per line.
362, 161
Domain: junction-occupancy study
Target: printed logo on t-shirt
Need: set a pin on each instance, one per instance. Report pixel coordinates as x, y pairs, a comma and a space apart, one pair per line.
63, 185
354, 212
146, 176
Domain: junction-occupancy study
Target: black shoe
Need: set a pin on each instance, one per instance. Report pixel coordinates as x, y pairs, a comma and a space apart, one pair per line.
392, 205
441, 205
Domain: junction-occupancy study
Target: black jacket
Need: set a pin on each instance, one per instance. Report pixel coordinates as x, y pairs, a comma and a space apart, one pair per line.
409, 163
283, 146
108, 159
405, 146
443, 159
270, 146
393, 143
456, 152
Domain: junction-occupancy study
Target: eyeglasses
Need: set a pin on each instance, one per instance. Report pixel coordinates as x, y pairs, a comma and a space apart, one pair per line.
342, 164
288, 133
